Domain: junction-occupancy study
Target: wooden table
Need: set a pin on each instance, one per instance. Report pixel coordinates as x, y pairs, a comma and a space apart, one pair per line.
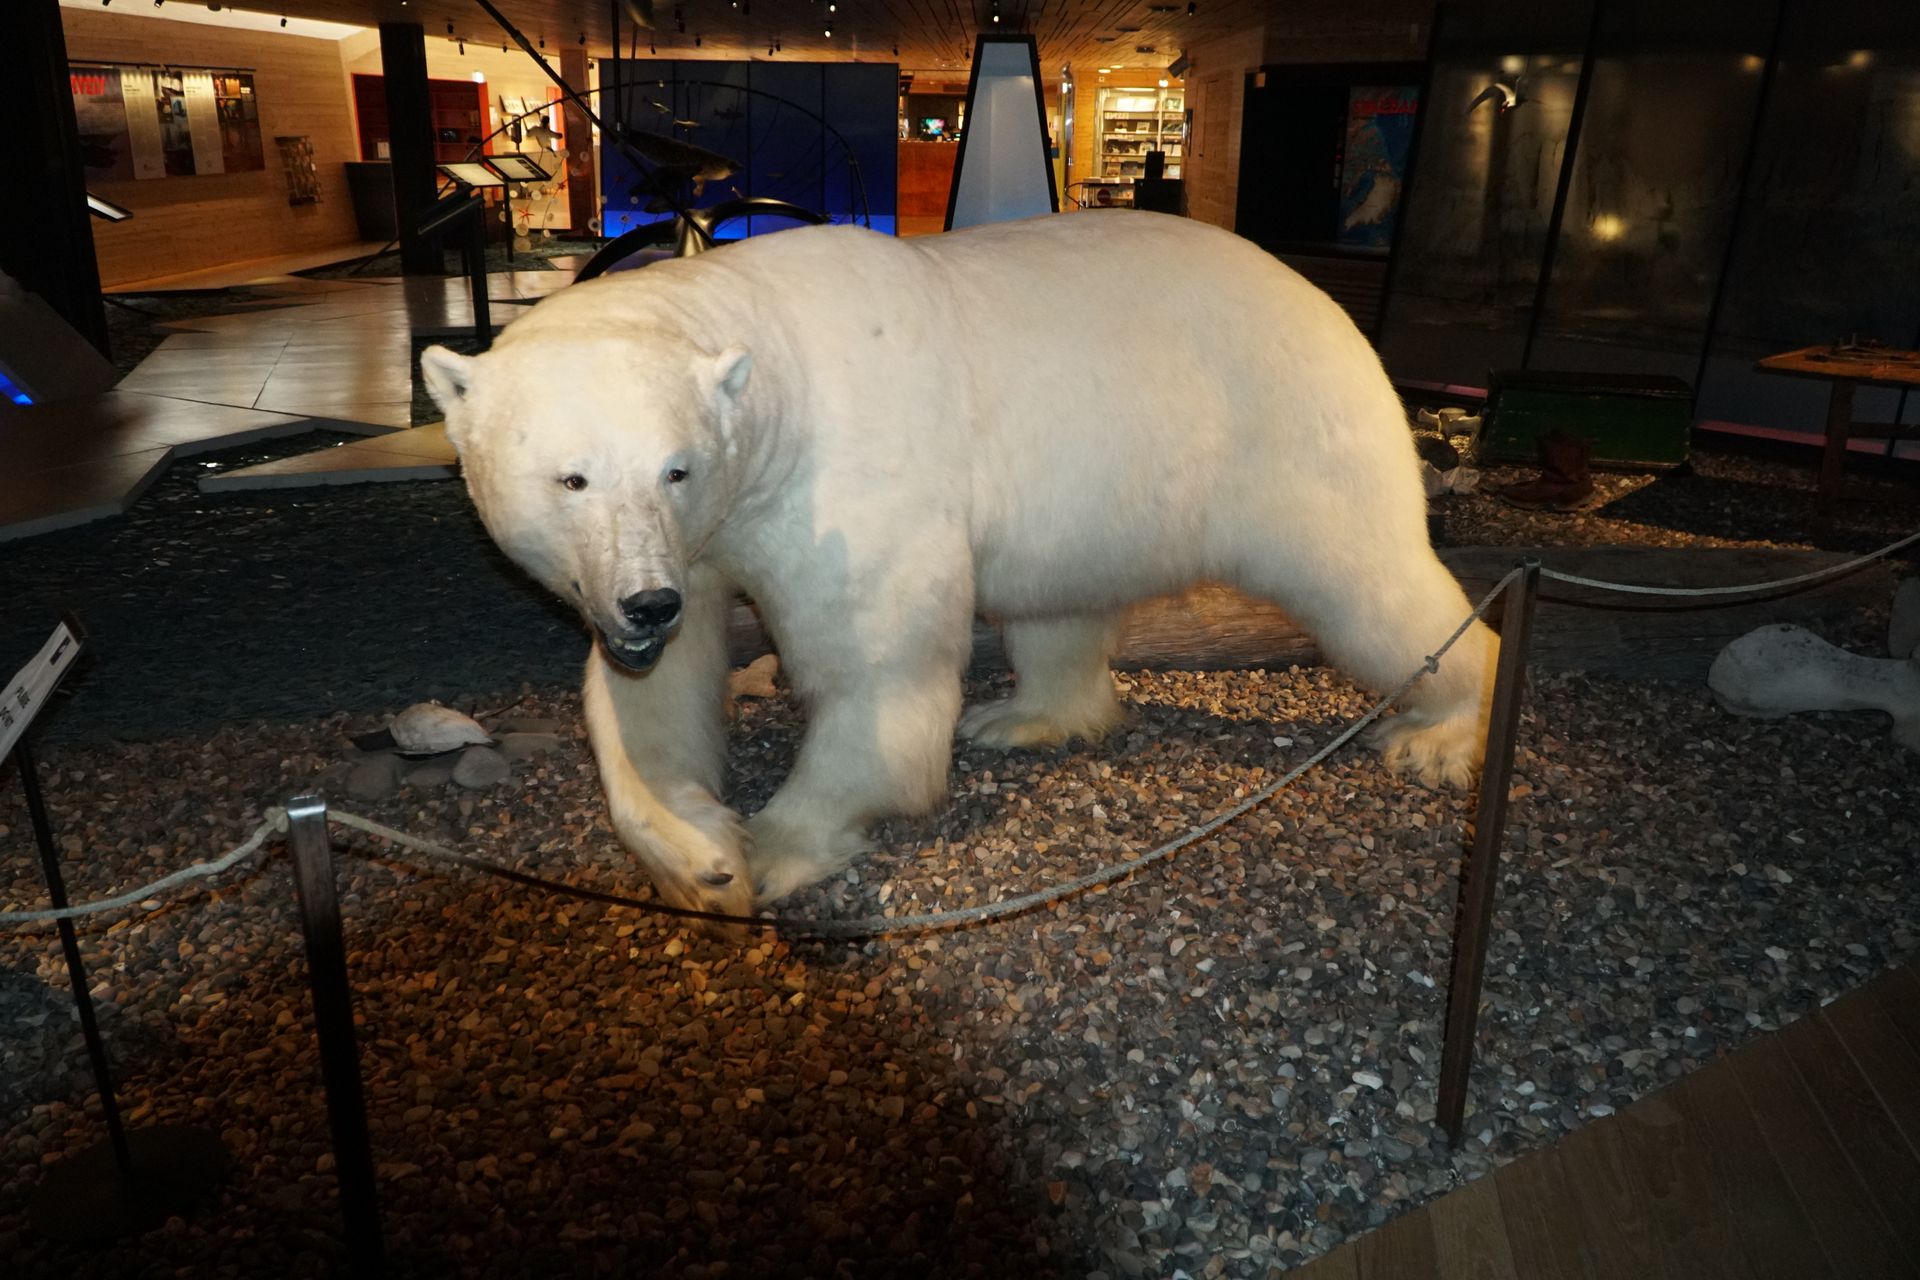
1846, 367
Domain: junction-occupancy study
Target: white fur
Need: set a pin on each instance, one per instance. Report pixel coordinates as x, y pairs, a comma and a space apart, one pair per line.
884, 437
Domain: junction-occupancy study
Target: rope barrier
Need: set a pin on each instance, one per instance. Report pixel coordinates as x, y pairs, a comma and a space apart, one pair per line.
868, 927
274, 823
1799, 579
958, 917
932, 921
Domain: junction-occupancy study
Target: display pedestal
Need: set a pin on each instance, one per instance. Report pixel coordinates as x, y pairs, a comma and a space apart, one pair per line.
86, 1199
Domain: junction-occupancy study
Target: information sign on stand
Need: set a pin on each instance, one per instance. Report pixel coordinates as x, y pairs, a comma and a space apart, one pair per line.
137, 1179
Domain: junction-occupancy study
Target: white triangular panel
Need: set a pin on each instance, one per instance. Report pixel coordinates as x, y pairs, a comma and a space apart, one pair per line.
1003, 171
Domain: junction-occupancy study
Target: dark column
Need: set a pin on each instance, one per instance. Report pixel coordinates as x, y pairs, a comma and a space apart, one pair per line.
403, 63
579, 135
46, 237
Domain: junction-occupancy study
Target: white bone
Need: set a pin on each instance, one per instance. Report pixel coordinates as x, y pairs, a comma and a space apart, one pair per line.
1777, 670
1903, 633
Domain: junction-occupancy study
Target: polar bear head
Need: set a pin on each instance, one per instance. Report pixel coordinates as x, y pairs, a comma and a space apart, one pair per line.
606, 488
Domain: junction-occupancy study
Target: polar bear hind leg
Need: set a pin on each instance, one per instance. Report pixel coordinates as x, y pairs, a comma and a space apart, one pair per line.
1377, 616
1063, 687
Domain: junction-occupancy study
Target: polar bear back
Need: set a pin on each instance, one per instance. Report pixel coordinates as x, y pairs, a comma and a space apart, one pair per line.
1014, 377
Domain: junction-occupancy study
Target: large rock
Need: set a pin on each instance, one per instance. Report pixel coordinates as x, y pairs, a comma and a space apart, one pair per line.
1780, 669
480, 768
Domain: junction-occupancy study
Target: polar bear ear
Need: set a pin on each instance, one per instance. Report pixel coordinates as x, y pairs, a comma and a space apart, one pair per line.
448, 375
730, 370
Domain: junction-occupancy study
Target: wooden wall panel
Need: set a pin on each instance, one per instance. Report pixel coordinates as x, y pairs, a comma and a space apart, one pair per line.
184, 224
1216, 92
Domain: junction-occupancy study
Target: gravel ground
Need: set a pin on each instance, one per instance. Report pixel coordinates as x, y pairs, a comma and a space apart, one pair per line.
1219, 1068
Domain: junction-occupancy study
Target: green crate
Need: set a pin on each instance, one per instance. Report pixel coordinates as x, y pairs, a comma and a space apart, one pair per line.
1635, 423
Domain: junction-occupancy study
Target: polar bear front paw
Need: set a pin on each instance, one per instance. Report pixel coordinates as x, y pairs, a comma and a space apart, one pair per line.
1438, 753
1010, 723
786, 857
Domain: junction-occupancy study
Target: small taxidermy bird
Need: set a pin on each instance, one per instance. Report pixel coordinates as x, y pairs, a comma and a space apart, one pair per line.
1504, 97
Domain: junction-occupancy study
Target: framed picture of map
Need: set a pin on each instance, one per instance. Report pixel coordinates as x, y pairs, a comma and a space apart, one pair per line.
1373, 166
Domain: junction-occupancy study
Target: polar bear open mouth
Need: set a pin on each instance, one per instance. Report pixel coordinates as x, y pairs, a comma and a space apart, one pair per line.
635, 655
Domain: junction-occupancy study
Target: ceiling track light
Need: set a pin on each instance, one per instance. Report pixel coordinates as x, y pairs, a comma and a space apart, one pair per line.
463, 48
449, 26
1191, 8
283, 21
583, 40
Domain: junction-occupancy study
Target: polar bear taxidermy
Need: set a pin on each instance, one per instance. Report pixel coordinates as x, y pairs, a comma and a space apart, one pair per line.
874, 439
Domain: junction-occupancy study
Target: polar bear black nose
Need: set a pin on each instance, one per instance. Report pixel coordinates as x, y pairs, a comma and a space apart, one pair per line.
652, 610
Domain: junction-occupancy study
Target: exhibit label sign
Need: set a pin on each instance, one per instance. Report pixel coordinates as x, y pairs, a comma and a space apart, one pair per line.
31, 686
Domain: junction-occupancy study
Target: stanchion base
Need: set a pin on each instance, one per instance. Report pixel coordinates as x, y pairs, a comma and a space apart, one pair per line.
84, 1199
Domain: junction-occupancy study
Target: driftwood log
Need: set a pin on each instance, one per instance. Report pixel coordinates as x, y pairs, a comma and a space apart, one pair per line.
1213, 628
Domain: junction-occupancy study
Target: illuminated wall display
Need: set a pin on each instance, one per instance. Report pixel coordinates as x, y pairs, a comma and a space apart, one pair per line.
165, 122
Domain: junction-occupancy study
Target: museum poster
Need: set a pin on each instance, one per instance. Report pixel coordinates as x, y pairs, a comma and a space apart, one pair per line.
1374, 170
139, 122
106, 148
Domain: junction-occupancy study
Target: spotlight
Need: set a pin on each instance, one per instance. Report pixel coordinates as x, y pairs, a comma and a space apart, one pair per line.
769, 50
158, 3
583, 39
996, 15
283, 22
829, 31
449, 26
463, 48
1191, 7
105, 3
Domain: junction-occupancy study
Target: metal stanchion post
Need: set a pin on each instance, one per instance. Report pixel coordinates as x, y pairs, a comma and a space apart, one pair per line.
339, 1045
134, 1181
1480, 875
70, 947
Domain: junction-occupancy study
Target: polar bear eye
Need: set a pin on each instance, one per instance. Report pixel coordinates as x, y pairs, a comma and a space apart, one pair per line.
676, 475
574, 481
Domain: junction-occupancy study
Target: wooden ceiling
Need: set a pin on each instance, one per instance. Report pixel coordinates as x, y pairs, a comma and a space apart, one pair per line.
929, 35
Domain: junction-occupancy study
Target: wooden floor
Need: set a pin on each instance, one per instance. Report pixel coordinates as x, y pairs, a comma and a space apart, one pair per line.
1797, 1157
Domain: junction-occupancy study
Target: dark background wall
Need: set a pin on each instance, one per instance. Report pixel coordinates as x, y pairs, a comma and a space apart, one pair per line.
1746, 180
